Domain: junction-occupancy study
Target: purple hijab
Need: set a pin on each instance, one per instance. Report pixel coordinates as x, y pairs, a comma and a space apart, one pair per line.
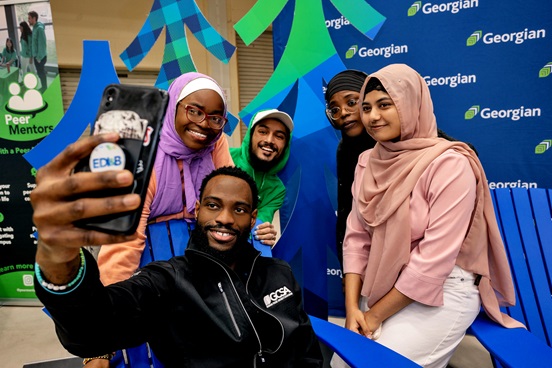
196, 163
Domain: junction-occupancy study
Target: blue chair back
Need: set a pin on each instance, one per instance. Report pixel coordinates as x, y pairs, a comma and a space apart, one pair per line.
525, 221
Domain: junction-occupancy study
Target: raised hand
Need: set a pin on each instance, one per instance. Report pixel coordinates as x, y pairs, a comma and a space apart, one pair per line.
61, 198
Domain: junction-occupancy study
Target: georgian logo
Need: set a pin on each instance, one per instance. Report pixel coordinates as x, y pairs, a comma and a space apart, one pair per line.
451, 81
385, 51
351, 52
414, 8
474, 38
517, 37
450, 7
509, 114
546, 70
277, 296
511, 184
337, 23
472, 112
543, 146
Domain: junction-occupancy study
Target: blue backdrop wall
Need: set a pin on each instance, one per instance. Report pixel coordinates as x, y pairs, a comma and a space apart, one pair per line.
488, 65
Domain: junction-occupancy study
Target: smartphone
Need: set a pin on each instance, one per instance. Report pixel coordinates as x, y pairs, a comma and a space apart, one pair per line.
136, 113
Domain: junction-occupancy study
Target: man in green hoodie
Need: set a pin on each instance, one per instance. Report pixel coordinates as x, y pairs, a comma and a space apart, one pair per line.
263, 154
38, 48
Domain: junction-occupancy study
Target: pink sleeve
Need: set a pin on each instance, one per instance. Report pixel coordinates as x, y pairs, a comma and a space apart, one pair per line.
221, 153
441, 207
118, 262
356, 244
357, 241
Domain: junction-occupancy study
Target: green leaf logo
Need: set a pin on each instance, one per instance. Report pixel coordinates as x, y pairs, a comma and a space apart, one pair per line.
545, 71
351, 52
475, 36
470, 114
414, 8
543, 146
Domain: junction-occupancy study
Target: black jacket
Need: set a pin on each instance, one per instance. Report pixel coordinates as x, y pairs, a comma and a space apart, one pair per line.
194, 311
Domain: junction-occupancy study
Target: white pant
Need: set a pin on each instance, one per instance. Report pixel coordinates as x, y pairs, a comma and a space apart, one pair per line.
26, 67
429, 335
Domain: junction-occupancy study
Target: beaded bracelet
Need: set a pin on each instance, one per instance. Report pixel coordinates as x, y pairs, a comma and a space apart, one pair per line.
62, 289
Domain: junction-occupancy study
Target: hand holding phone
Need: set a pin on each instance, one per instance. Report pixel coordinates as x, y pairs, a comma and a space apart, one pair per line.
136, 113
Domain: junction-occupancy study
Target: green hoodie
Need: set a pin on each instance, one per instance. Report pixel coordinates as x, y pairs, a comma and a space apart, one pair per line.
271, 189
38, 44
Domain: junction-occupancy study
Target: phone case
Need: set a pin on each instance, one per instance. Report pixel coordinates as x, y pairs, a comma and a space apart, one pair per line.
137, 113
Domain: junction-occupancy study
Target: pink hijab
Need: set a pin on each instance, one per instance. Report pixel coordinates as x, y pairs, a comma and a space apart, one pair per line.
393, 170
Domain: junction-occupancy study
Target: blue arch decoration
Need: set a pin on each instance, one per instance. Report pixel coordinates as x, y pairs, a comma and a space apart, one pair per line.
97, 72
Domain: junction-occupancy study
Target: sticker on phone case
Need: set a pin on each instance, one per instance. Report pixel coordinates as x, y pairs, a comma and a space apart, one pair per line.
127, 123
107, 156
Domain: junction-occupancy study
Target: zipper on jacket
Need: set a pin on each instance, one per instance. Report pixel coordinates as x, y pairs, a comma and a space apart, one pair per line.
228, 308
259, 358
201, 254
261, 309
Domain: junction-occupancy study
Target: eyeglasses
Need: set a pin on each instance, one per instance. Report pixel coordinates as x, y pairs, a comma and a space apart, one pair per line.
197, 115
335, 112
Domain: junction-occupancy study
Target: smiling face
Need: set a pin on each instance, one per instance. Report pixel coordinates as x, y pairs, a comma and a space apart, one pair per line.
380, 116
225, 212
198, 135
268, 139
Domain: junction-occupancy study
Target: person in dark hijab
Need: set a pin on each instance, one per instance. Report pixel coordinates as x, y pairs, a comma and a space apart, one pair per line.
343, 112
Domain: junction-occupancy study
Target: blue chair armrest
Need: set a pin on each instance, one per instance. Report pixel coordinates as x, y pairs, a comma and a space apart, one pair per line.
357, 350
512, 347
266, 251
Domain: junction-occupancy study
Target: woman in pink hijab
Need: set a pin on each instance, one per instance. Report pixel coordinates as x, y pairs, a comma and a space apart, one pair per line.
422, 251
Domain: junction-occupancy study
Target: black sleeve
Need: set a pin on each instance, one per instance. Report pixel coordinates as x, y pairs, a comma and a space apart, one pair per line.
92, 319
344, 200
307, 347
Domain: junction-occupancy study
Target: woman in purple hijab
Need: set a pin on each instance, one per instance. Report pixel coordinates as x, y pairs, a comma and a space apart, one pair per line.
192, 144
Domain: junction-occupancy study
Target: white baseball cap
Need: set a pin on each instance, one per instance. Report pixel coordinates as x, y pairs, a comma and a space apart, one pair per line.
274, 114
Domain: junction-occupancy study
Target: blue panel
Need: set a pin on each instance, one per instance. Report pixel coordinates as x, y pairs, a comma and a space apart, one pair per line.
265, 250
159, 238
139, 356
543, 217
529, 350
534, 256
518, 264
179, 235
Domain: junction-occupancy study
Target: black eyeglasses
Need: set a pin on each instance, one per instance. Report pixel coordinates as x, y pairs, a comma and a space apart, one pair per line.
197, 115
335, 112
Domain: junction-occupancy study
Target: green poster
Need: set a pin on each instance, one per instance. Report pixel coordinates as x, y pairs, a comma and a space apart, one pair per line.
30, 107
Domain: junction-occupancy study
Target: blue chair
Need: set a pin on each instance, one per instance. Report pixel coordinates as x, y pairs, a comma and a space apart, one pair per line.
170, 239
525, 221
357, 350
